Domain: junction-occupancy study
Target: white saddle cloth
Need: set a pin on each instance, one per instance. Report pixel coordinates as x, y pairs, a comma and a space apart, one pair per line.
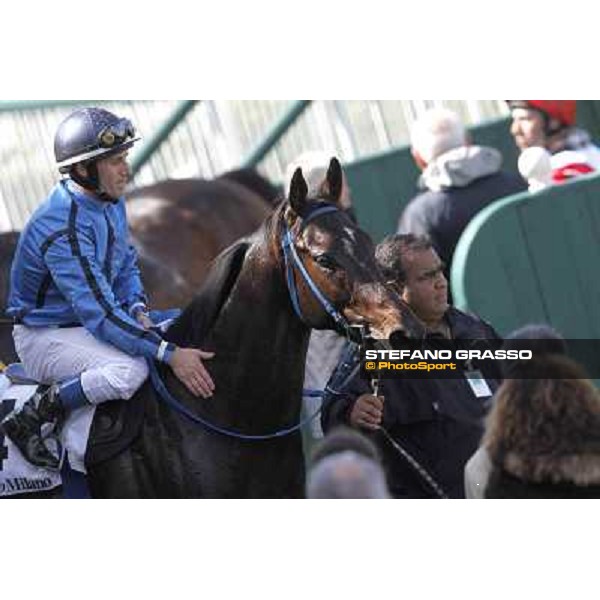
17, 476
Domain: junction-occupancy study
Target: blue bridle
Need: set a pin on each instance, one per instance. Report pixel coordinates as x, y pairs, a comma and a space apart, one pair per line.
291, 259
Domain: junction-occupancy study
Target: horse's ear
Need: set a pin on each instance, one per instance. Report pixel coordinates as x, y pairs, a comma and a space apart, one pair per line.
335, 180
298, 191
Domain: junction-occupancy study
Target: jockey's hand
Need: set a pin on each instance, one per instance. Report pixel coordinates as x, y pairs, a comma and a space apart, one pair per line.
187, 365
144, 320
367, 412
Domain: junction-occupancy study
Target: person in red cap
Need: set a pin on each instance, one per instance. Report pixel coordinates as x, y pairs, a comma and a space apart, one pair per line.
550, 124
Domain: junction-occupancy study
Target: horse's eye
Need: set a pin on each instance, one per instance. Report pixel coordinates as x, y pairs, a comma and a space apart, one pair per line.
326, 262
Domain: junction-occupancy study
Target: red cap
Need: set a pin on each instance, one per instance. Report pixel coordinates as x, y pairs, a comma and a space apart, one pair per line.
564, 111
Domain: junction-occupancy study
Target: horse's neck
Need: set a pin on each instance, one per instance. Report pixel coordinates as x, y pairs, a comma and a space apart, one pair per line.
260, 349
257, 322
259, 344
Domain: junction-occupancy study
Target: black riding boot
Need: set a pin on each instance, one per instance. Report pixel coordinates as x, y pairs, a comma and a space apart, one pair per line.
24, 427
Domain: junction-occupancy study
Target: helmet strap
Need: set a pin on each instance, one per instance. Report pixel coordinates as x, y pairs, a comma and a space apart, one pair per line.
553, 127
92, 181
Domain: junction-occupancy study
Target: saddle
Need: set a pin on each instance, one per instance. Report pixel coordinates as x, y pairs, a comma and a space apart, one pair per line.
115, 426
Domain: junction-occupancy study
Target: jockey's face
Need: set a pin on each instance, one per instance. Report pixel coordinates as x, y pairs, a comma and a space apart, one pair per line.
528, 128
113, 173
426, 287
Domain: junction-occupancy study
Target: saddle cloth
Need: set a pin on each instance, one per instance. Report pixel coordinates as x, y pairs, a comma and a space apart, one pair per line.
85, 441
17, 476
90, 436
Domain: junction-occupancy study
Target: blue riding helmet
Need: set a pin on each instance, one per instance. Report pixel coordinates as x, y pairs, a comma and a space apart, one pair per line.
91, 133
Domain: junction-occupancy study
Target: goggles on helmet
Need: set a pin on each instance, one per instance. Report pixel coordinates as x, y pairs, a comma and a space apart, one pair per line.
116, 134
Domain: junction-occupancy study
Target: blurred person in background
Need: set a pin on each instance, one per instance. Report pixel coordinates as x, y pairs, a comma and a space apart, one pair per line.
346, 464
458, 180
542, 340
340, 439
346, 474
543, 433
551, 124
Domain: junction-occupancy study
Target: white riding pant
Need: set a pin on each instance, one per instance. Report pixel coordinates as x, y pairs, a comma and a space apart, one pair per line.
53, 355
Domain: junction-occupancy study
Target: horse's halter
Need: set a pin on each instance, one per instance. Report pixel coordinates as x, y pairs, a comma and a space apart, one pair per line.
291, 259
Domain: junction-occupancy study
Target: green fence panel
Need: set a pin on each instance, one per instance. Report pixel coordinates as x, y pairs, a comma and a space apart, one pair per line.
588, 117
500, 279
380, 186
534, 258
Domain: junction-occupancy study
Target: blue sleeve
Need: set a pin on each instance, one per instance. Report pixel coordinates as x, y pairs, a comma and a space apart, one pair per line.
127, 286
73, 266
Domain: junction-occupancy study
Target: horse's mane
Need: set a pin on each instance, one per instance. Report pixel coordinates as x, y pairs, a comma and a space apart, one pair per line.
198, 318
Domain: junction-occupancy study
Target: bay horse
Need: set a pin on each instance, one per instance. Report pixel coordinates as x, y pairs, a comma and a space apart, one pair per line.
308, 266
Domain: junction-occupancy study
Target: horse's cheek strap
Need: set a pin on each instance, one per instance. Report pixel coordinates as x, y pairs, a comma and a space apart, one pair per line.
291, 256
286, 244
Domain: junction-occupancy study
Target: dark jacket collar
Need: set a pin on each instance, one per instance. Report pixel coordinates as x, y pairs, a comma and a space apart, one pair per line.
464, 326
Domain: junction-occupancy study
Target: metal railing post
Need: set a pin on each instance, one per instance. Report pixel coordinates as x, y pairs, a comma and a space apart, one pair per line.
146, 150
17, 105
276, 133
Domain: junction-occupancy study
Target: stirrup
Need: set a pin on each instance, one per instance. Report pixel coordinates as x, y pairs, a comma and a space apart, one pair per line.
52, 414
58, 453
33, 425
34, 449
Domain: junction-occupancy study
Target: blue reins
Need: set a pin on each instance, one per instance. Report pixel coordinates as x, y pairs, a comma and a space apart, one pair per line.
177, 406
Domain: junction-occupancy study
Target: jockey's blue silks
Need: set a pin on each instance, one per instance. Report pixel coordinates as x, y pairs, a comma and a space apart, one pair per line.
74, 265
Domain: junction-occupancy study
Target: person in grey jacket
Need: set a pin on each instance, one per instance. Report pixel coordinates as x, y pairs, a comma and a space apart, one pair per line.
458, 180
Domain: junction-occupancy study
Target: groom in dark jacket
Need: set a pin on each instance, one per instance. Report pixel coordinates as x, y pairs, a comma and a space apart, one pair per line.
438, 421
458, 181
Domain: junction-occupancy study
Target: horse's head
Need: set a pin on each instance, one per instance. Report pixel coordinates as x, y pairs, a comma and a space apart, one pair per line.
331, 261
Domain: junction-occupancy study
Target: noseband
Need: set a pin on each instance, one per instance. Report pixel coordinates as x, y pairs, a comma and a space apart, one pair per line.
292, 260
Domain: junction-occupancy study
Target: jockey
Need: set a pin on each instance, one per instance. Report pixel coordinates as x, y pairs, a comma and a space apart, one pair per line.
82, 323
550, 124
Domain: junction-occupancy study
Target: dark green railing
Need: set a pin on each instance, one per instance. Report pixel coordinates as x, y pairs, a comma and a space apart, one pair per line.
14, 105
146, 149
276, 133
149, 146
